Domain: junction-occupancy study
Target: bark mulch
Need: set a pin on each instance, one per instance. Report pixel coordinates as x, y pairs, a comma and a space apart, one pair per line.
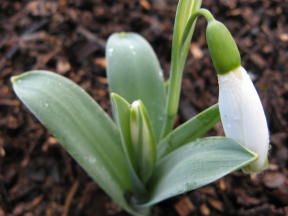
37, 177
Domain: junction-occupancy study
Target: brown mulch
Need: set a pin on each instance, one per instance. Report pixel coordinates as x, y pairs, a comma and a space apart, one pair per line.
37, 177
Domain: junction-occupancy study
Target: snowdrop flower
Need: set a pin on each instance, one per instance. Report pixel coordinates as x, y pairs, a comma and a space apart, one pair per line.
242, 114
241, 111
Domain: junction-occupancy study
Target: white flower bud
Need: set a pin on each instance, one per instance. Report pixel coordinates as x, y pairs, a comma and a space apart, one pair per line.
242, 114
143, 140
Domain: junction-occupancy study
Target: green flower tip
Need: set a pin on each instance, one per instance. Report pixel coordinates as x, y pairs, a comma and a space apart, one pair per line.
222, 47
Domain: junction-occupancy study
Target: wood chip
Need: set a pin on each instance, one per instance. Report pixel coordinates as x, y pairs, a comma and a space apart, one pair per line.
196, 51
222, 184
102, 80
274, 179
2, 212
2, 152
9, 102
258, 60
63, 66
184, 207
216, 204
69, 198
101, 62
204, 210
145, 4
207, 190
283, 37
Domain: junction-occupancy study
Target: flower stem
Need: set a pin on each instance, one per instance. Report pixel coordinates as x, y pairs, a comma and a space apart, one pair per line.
179, 55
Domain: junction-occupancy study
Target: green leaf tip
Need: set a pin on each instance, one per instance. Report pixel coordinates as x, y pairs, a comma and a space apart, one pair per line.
114, 95
123, 34
16, 78
196, 164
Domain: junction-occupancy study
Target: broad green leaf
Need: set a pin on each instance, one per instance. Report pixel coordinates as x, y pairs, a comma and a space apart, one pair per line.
80, 125
190, 130
134, 73
196, 164
121, 110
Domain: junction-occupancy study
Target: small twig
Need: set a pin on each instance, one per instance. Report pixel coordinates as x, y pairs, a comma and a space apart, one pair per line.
69, 198
4, 202
91, 36
12, 51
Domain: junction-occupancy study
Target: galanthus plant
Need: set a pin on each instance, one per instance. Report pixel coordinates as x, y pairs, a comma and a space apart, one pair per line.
139, 159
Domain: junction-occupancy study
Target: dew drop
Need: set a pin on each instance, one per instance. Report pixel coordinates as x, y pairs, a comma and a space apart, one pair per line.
90, 159
110, 51
132, 49
228, 126
235, 117
160, 74
252, 76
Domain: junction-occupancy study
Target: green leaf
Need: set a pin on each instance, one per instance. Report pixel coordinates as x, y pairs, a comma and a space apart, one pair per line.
196, 164
80, 125
121, 110
134, 73
190, 130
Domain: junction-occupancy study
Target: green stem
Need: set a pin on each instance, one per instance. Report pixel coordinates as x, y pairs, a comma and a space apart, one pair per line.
201, 12
139, 210
177, 65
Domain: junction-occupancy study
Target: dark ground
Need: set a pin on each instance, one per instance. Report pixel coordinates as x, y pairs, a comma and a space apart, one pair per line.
68, 37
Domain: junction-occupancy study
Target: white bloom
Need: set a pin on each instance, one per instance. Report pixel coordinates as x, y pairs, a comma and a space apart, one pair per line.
242, 114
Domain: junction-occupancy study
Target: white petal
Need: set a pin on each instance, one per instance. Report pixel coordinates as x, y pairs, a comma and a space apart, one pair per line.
242, 113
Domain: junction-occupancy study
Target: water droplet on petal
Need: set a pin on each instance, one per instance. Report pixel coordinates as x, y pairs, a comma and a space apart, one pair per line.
110, 52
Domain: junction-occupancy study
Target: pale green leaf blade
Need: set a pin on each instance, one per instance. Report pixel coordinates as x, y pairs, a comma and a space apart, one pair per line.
196, 164
80, 125
134, 73
191, 130
121, 111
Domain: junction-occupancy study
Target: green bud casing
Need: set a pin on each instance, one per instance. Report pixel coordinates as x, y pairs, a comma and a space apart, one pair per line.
143, 140
222, 47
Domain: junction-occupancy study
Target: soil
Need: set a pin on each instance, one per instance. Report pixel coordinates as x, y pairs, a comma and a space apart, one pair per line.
37, 176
